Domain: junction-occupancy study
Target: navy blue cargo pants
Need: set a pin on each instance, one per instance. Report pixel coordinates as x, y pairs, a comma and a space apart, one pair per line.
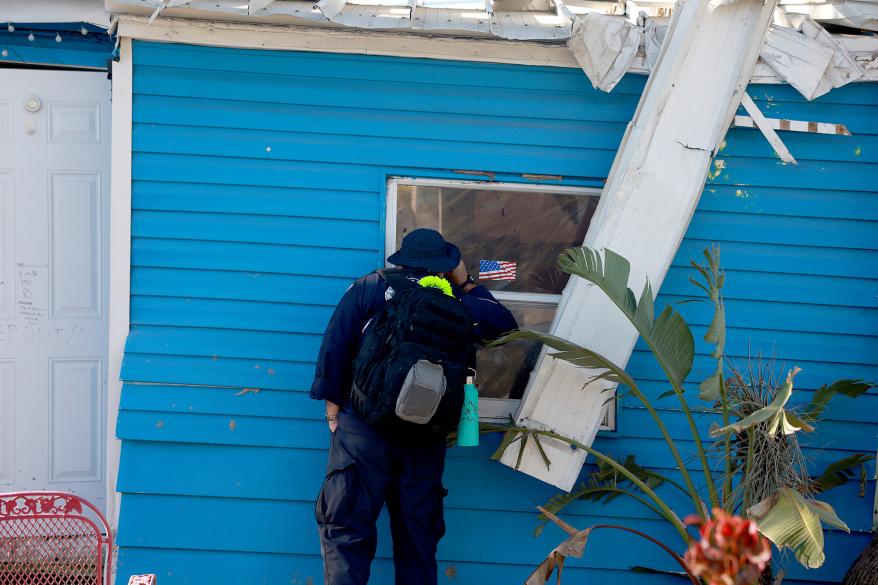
365, 471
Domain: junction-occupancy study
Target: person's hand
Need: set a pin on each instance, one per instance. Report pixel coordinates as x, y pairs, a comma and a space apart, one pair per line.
332, 415
458, 275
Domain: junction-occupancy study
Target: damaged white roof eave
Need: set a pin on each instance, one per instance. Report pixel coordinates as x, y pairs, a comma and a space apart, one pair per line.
605, 42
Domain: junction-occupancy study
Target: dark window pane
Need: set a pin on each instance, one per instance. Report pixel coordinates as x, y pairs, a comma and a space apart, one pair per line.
503, 371
528, 228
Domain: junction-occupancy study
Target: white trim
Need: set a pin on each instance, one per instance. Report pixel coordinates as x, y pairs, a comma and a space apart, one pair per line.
263, 35
120, 258
543, 298
326, 40
765, 127
490, 409
497, 410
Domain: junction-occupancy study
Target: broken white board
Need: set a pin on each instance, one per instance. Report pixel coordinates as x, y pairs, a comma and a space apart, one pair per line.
604, 46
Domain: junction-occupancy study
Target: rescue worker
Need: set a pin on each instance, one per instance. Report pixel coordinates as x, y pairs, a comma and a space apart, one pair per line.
367, 469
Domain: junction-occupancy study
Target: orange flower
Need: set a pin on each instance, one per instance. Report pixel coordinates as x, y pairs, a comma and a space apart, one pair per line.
730, 551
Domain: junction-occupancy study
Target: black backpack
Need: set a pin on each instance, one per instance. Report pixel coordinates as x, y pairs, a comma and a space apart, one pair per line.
418, 325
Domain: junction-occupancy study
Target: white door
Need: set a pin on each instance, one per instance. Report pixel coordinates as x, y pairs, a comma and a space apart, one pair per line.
54, 199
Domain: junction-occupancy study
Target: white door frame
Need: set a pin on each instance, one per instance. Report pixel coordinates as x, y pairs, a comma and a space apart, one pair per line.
120, 259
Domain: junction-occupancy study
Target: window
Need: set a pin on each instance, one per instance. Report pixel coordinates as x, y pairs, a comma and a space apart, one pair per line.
528, 225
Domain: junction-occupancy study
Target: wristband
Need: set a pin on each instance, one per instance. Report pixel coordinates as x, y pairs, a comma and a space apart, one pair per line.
331, 417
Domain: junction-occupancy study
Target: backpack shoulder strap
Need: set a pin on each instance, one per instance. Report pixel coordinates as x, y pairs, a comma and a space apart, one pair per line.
396, 279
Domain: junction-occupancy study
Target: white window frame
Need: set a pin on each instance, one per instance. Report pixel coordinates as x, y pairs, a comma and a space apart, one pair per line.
490, 409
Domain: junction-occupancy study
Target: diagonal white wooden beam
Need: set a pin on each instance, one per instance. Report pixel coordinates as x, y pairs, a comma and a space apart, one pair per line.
762, 123
795, 125
650, 195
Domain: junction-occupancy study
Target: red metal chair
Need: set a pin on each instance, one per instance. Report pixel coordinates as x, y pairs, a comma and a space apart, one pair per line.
53, 538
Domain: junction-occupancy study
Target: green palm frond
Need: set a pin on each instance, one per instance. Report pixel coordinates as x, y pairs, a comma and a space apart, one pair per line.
668, 336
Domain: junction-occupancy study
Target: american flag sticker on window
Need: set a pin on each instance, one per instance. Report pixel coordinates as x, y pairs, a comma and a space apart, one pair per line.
496, 270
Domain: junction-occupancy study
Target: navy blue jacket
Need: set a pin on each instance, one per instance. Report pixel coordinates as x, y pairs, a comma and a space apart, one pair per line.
344, 333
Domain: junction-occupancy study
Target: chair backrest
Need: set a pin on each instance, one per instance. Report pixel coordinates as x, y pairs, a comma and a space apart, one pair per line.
53, 538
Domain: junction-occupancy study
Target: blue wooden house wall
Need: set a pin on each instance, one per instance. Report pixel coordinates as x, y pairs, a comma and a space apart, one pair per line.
92, 50
258, 196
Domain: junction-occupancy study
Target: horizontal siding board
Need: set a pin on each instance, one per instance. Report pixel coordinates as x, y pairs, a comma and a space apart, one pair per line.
239, 285
858, 118
247, 199
342, 66
794, 346
814, 374
297, 347
253, 258
810, 289
853, 94
861, 148
217, 371
377, 122
808, 174
256, 172
220, 314
828, 203
260, 229
397, 95
783, 259
778, 316
369, 150
785, 230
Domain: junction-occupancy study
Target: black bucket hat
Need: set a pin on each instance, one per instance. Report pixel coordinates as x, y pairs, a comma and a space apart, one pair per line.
426, 248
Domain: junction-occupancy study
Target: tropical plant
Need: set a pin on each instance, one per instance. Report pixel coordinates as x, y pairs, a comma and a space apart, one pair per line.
788, 515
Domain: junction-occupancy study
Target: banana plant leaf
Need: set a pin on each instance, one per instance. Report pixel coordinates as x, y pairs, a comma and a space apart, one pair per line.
574, 354
791, 521
842, 471
847, 387
779, 419
668, 336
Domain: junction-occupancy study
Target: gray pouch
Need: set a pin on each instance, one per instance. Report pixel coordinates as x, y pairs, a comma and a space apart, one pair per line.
421, 392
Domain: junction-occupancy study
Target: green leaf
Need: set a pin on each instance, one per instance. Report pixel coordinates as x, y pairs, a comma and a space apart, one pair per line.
668, 336
846, 387
788, 521
778, 419
713, 277
509, 437
827, 515
575, 354
842, 471
711, 388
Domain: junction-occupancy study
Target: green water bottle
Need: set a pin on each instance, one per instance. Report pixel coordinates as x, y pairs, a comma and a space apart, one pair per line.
468, 429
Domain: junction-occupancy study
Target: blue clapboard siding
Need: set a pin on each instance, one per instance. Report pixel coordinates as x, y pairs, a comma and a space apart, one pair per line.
92, 50
258, 195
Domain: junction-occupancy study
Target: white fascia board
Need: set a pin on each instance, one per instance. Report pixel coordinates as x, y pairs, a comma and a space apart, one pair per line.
335, 40
120, 258
469, 45
651, 193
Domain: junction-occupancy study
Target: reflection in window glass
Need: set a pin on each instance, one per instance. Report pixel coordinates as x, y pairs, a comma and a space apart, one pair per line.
528, 228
